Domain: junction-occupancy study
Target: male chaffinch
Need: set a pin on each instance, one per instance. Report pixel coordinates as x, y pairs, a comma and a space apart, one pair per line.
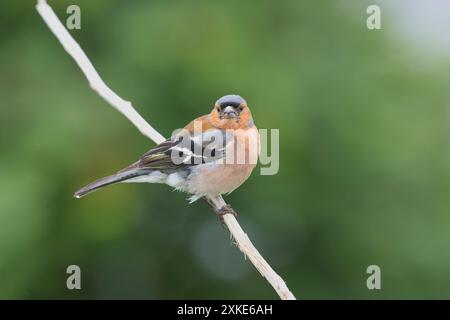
213, 155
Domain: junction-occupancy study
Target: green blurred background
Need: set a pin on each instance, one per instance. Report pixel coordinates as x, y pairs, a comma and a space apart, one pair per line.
364, 153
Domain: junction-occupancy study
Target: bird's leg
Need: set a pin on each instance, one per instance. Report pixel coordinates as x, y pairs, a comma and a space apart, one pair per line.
226, 209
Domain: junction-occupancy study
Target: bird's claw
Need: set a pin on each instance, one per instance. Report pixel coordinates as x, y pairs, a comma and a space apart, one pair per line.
226, 209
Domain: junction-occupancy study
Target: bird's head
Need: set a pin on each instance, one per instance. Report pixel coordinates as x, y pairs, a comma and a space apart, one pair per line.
231, 112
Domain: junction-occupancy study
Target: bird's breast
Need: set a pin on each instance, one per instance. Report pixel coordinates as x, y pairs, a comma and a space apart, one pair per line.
214, 179
241, 156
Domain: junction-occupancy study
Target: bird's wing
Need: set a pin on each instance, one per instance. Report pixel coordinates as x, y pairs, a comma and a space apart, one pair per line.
185, 150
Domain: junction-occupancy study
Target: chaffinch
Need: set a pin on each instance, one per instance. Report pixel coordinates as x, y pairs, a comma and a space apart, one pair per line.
213, 155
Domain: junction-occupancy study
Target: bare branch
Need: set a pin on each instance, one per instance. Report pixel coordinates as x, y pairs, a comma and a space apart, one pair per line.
125, 107
246, 246
96, 83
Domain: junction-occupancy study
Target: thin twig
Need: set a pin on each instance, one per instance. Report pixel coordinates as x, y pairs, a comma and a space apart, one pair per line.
125, 107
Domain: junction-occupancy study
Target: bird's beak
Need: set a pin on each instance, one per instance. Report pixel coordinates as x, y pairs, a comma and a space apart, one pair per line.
230, 112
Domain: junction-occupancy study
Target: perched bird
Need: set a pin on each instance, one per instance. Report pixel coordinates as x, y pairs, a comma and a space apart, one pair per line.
213, 155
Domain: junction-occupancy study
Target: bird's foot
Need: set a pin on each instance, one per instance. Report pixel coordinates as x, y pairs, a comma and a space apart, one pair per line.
226, 209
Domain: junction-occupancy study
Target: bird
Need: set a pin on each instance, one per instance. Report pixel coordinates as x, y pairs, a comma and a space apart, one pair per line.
211, 156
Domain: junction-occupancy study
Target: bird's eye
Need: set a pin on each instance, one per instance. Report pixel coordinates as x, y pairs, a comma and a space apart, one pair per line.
241, 107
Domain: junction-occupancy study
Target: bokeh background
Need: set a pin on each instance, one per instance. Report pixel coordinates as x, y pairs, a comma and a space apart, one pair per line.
364, 155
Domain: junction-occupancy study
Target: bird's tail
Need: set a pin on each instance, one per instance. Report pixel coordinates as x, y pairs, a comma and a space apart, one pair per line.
103, 182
